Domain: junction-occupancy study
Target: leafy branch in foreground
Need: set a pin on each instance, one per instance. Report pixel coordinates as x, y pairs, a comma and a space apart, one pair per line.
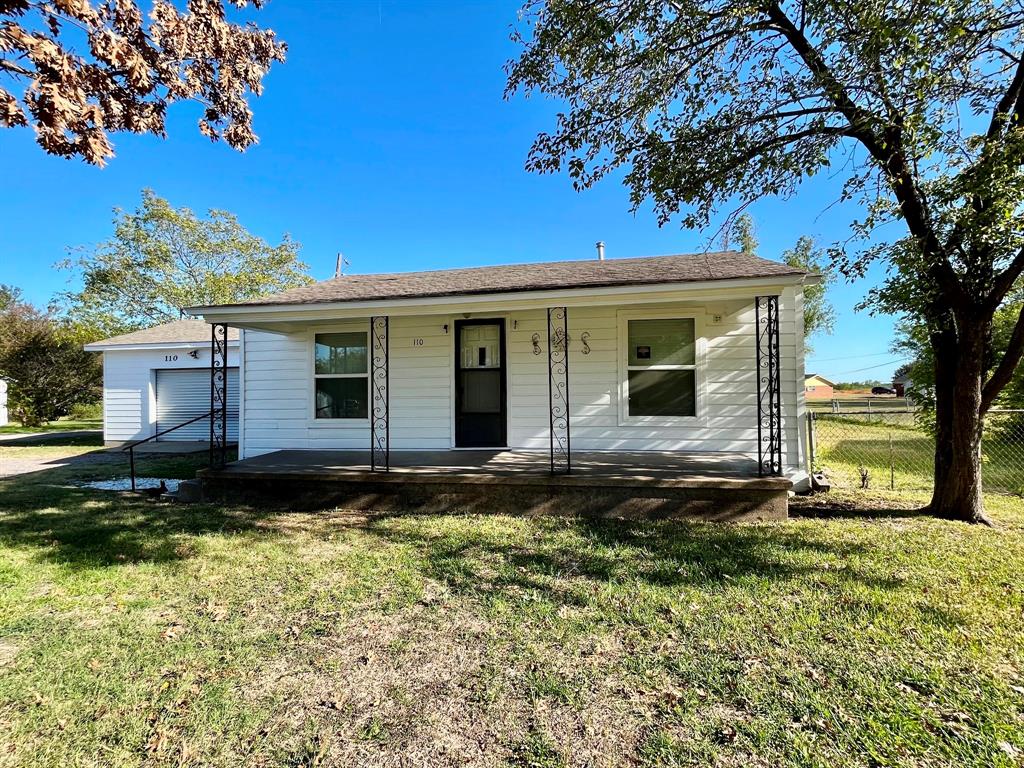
132, 68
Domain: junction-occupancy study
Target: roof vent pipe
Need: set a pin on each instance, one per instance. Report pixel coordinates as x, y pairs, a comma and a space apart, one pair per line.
600, 250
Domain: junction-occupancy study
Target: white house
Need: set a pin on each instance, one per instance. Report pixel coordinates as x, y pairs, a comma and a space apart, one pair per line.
3, 403
158, 378
689, 355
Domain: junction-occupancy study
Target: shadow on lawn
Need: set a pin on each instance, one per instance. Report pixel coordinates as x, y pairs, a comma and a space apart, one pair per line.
83, 437
660, 554
825, 506
85, 528
88, 528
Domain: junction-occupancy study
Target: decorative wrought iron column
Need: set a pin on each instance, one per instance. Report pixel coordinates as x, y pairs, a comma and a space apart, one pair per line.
558, 389
218, 395
380, 406
769, 390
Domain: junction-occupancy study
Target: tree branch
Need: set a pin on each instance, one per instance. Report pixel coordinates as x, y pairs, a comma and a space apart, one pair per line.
888, 153
859, 120
16, 69
1006, 103
1005, 281
1004, 371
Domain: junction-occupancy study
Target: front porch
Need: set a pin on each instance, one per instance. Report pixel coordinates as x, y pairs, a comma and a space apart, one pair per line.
711, 486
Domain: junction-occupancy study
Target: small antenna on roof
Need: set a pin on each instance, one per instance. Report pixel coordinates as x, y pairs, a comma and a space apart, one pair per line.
340, 264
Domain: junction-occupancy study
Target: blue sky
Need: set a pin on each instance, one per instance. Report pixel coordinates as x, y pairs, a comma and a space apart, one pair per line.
386, 136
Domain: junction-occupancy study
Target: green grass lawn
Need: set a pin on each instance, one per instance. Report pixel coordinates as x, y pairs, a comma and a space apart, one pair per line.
61, 425
146, 634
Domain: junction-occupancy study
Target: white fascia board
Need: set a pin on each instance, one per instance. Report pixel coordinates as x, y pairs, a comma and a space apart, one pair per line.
99, 347
440, 305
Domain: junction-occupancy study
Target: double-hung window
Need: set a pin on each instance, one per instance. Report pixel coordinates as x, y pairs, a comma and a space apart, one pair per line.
661, 369
341, 375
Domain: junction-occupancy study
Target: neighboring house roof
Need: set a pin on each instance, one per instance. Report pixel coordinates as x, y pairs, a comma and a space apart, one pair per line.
819, 377
177, 332
555, 275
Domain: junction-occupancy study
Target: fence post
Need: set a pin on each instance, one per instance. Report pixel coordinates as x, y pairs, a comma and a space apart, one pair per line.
892, 465
810, 438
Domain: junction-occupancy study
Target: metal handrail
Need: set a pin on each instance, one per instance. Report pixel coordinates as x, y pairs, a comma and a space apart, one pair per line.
131, 446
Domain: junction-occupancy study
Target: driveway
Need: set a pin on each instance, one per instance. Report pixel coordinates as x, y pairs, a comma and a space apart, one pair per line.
21, 454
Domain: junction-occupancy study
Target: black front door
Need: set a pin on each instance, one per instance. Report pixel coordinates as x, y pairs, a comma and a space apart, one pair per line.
480, 384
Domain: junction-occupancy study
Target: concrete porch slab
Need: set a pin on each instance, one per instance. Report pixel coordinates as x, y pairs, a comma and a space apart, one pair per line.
637, 485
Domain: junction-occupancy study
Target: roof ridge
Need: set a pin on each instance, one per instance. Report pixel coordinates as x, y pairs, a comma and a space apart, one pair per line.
564, 275
613, 260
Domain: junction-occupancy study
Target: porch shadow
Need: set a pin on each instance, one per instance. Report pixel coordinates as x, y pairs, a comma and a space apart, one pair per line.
48, 511
660, 554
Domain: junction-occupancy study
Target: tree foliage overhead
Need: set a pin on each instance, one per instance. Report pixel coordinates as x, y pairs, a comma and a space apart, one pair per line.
919, 104
88, 68
162, 259
819, 314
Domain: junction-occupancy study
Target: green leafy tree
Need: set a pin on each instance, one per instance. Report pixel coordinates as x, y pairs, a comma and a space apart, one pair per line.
163, 259
700, 104
912, 341
819, 314
9, 296
42, 359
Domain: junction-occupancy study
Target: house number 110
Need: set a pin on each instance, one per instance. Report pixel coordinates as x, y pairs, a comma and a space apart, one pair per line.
417, 342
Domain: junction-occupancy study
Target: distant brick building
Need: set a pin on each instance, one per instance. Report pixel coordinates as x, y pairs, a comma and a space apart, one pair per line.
817, 387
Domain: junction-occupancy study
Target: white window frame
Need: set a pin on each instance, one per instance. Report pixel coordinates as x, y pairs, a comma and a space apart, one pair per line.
700, 417
314, 420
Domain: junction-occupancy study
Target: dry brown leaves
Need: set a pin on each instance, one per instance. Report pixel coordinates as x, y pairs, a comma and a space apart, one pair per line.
133, 71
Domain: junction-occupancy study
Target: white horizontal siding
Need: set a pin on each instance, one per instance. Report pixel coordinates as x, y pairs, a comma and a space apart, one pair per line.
129, 379
278, 408
278, 385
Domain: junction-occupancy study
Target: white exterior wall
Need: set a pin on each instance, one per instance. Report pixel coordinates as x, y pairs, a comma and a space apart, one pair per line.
277, 384
129, 385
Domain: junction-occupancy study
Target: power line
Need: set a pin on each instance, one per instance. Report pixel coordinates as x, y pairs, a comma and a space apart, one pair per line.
846, 357
880, 365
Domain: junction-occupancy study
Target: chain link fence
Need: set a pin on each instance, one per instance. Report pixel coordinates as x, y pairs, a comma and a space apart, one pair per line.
890, 450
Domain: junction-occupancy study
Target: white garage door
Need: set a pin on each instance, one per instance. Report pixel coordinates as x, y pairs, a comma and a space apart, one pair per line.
184, 394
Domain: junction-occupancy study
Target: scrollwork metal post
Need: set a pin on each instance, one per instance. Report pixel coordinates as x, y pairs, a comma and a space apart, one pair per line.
380, 405
558, 390
218, 395
769, 391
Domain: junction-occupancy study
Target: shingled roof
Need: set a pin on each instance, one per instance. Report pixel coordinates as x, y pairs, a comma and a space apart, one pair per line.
512, 278
177, 332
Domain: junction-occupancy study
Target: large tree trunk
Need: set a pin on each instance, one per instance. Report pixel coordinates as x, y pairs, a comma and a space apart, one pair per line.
959, 418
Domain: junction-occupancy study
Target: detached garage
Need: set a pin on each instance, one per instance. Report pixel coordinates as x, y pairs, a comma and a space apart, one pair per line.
158, 378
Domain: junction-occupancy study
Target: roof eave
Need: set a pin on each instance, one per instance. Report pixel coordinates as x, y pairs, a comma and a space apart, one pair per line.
222, 310
101, 347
